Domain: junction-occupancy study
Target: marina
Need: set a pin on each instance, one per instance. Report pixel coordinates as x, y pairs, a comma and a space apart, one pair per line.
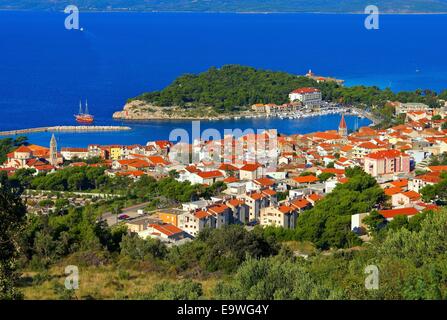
308, 113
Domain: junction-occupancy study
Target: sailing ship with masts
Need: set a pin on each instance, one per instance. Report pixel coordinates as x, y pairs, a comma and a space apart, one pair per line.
84, 117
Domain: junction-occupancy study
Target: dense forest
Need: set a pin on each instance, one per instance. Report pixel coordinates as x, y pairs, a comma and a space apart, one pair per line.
338, 6
228, 88
233, 87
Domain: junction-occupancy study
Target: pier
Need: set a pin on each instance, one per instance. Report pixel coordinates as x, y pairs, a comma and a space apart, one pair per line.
65, 129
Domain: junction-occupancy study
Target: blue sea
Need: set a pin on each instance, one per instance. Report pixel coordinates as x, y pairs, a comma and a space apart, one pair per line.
45, 69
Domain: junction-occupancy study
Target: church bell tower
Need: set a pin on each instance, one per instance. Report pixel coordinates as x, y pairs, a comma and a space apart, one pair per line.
53, 151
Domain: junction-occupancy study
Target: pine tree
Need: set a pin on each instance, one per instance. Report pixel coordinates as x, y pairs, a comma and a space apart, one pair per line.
12, 219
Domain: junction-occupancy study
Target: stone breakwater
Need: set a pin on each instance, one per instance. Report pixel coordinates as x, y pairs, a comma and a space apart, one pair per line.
65, 129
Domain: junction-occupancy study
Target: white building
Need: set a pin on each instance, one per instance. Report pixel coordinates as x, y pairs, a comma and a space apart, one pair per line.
308, 96
70, 153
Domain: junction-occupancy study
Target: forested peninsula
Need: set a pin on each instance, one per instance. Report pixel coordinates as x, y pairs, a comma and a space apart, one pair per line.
230, 91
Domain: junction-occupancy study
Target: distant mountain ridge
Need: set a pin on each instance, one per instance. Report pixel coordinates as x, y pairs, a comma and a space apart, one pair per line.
327, 6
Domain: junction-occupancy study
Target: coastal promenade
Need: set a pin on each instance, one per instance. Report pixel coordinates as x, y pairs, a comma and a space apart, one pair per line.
65, 129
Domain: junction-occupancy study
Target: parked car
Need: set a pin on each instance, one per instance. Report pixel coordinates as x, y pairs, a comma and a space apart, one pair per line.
123, 217
252, 223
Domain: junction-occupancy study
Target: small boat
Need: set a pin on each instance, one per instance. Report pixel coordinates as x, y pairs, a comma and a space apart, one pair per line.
84, 117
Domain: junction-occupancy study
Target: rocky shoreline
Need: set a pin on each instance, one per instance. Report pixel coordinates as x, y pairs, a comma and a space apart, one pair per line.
139, 110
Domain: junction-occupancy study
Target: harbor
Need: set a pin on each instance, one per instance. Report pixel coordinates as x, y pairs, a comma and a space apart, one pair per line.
305, 112
65, 129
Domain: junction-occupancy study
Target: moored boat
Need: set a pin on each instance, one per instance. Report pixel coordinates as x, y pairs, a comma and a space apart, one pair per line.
84, 117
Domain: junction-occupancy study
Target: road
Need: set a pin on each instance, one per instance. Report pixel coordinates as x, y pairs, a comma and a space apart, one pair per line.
112, 219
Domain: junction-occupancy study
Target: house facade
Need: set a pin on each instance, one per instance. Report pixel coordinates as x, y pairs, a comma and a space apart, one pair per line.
387, 162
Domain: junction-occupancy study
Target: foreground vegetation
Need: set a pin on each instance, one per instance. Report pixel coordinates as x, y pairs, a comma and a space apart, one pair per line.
412, 265
321, 259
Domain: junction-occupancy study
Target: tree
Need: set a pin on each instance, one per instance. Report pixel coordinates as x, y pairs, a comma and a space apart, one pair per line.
375, 221
398, 222
328, 223
12, 219
227, 247
326, 176
331, 165
140, 249
275, 278
8, 145
306, 173
182, 290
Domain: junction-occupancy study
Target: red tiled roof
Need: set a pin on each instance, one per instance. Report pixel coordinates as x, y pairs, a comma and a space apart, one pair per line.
368, 145
192, 169
386, 154
400, 183
412, 195
306, 179
227, 167
23, 149
285, 209
433, 178
437, 168
268, 192
315, 197
137, 163
231, 179
346, 148
393, 190
167, 229
398, 212
163, 144
218, 209
157, 160
429, 206
74, 149
256, 196
305, 90
235, 202
201, 214
300, 203
333, 170
265, 182
210, 174
326, 136
135, 173
343, 180
250, 167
